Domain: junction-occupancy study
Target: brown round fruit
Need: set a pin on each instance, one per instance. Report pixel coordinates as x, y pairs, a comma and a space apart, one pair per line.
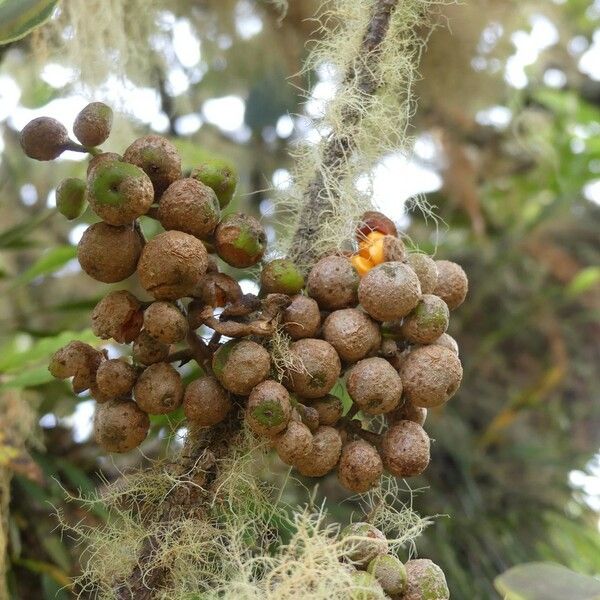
407, 412
109, 254
159, 389
148, 350
281, 276
426, 271
115, 378
365, 541
333, 283
269, 408
240, 240
206, 402
159, 158
44, 138
120, 425
352, 333
431, 375
324, 453
360, 466
93, 123
375, 221
165, 322
452, 283
119, 316
240, 365
447, 341
321, 368
172, 265
374, 385
329, 408
389, 291
189, 206
426, 581
97, 160
77, 360
425, 323
119, 192
294, 443
302, 318
405, 449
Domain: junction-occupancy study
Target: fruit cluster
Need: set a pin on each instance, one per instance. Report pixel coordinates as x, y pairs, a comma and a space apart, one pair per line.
378, 572
369, 325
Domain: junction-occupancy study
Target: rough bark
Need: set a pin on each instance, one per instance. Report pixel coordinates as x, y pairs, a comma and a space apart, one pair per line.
336, 150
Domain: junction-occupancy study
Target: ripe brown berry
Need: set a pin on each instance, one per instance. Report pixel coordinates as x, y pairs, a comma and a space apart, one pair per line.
427, 321
426, 271
109, 254
324, 453
448, 342
352, 333
293, 444
159, 158
101, 158
374, 386
119, 192
206, 402
430, 375
119, 316
148, 350
281, 276
159, 389
408, 412
44, 138
452, 283
218, 289
115, 378
120, 425
329, 408
321, 368
389, 291
360, 466
93, 123
240, 240
426, 581
165, 322
405, 449
302, 318
189, 206
365, 543
390, 573
77, 360
333, 283
240, 365
375, 221
269, 408
171, 265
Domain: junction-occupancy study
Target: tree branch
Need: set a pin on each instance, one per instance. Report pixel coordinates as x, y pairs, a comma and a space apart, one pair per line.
338, 147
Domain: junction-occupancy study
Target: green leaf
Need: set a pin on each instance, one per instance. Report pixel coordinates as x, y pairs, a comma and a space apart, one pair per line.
15, 237
30, 378
546, 581
20, 17
48, 263
583, 281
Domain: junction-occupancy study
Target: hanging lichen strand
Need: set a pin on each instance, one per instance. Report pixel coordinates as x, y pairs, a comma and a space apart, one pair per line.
372, 319
372, 51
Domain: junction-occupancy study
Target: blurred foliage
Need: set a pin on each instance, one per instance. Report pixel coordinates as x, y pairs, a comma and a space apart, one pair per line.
515, 216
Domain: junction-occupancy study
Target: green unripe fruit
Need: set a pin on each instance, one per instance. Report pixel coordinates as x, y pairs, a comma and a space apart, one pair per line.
70, 197
365, 587
390, 573
281, 276
119, 192
219, 175
366, 542
44, 138
240, 240
426, 581
92, 125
